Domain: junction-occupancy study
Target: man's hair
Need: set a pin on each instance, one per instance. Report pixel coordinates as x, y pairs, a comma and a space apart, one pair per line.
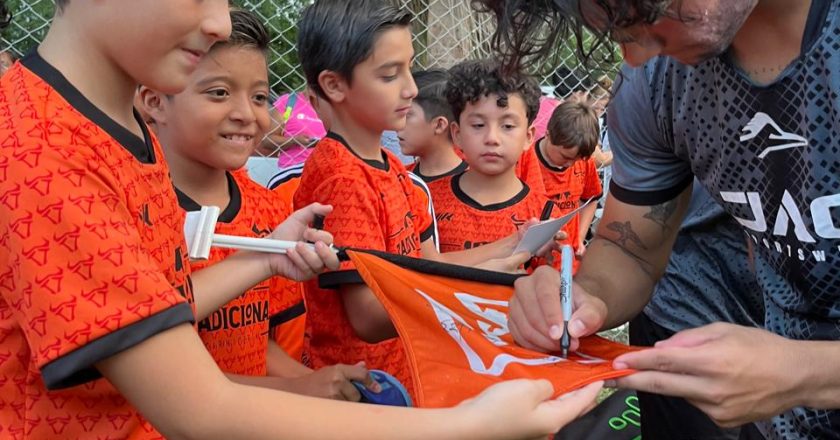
431, 93
531, 30
574, 124
337, 35
247, 30
472, 80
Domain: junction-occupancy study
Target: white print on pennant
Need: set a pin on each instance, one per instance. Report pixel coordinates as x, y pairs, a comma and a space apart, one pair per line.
492, 331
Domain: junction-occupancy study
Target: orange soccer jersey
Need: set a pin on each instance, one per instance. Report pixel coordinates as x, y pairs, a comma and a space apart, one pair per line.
375, 206
463, 223
237, 334
286, 182
429, 179
568, 187
528, 170
92, 257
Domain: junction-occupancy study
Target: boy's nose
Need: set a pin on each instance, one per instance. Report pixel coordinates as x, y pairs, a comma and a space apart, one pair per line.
216, 23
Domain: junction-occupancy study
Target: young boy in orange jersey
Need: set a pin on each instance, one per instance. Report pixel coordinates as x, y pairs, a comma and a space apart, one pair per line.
369, 89
568, 170
95, 294
208, 131
426, 133
492, 113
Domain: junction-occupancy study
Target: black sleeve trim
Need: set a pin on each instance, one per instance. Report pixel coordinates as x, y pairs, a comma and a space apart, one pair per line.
649, 198
430, 267
78, 366
334, 280
428, 233
287, 315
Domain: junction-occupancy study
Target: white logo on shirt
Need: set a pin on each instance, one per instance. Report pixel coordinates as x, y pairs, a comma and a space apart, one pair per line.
757, 125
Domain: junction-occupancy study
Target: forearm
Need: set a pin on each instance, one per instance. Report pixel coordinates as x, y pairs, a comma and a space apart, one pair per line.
367, 316
820, 386
218, 284
625, 292
473, 257
629, 254
587, 214
280, 364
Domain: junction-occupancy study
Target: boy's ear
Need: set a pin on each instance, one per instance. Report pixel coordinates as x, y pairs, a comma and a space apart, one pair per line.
455, 132
531, 134
153, 104
334, 85
441, 125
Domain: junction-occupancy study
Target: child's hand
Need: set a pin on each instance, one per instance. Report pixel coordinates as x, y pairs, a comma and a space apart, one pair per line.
302, 262
511, 264
333, 382
521, 409
581, 249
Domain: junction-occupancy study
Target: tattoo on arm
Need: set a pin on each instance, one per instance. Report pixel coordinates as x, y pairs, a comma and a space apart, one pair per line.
625, 233
661, 214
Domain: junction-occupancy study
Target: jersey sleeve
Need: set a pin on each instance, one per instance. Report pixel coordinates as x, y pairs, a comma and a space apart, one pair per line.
645, 171
78, 275
592, 183
424, 200
354, 221
528, 170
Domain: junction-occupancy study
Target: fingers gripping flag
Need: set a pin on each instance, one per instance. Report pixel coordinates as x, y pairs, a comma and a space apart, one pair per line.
452, 321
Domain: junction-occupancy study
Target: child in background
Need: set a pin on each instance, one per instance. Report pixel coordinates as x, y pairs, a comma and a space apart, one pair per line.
207, 132
369, 90
95, 289
493, 113
426, 133
569, 174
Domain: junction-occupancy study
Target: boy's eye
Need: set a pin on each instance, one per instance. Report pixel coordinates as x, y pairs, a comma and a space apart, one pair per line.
508, 126
389, 78
217, 93
261, 99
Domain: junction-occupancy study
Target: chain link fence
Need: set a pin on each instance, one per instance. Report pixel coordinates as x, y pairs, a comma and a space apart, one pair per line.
445, 32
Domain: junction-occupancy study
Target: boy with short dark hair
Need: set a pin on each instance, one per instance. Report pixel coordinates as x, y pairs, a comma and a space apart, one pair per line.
568, 170
426, 133
493, 112
369, 89
95, 289
208, 131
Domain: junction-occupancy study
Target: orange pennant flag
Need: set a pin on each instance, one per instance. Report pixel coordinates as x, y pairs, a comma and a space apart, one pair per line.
452, 321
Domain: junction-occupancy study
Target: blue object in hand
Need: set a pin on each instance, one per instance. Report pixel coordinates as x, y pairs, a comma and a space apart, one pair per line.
393, 392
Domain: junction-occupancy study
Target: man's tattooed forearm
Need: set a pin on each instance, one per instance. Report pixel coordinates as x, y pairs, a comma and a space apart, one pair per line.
662, 213
625, 233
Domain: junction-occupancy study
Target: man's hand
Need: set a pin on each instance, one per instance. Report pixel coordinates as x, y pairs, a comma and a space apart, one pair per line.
536, 316
734, 374
302, 262
333, 382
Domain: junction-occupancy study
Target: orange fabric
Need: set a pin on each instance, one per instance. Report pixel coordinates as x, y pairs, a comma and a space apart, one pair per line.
290, 335
286, 190
456, 336
567, 188
373, 208
464, 224
236, 335
92, 254
528, 170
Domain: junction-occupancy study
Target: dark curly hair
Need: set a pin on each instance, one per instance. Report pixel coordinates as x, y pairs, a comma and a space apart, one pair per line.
247, 29
469, 81
529, 30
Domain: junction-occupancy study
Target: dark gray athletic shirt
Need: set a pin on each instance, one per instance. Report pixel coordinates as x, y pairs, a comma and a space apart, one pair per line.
770, 156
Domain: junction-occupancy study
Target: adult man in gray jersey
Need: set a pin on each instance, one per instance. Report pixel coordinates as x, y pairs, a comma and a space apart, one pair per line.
742, 95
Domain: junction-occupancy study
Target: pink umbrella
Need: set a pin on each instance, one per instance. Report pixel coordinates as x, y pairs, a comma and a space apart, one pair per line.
547, 106
300, 120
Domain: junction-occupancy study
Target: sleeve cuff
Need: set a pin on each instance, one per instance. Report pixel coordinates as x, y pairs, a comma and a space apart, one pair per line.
649, 198
79, 366
334, 280
428, 233
287, 315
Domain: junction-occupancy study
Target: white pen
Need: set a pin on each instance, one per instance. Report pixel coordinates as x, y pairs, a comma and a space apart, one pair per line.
566, 261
